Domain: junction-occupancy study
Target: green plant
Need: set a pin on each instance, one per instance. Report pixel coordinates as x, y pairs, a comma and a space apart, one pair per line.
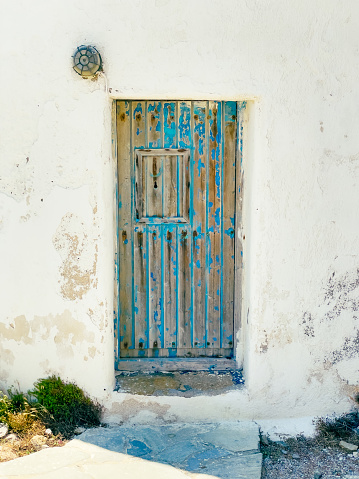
5, 406
65, 405
18, 401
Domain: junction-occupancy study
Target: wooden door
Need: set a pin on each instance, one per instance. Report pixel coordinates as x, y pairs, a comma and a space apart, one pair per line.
177, 199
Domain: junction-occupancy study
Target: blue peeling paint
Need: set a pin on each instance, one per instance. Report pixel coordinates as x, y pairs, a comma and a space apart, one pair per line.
229, 232
217, 216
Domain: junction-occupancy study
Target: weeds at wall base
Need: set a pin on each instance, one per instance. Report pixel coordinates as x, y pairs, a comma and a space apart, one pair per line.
53, 404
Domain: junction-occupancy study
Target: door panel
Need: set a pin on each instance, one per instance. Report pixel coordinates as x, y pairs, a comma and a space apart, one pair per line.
176, 219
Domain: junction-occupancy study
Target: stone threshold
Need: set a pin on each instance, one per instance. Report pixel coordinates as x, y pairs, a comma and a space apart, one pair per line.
183, 383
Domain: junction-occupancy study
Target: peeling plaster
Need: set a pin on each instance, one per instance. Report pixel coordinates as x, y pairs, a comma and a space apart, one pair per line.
335, 324
18, 330
130, 408
65, 331
79, 257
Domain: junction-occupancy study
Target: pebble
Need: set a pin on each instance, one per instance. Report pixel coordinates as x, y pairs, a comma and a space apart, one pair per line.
79, 430
38, 440
317, 475
295, 456
6, 454
12, 438
355, 453
48, 432
3, 430
348, 446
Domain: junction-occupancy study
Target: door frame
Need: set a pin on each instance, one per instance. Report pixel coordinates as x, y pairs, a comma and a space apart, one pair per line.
168, 364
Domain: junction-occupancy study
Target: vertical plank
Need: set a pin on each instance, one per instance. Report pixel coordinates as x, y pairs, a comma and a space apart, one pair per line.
154, 165
228, 232
125, 235
199, 224
140, 258
169, 124
184, 329
170, 268
140, 182
154, 181
184, 235
171, 180
155, 288
186, 186
184, 141
213, 327
140, 290
154, 124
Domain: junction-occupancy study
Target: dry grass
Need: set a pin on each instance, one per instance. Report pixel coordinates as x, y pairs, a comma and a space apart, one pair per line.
25, 428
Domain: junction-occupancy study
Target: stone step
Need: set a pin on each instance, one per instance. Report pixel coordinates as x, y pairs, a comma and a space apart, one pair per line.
226, 450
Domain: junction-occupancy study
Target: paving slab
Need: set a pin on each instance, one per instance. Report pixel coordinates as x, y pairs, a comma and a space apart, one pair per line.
226, 450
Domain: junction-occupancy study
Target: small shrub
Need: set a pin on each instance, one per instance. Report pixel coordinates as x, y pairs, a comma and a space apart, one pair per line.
65, 406
18, 401
340, 428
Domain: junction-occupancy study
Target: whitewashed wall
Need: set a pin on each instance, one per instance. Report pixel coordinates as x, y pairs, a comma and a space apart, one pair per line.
298, 64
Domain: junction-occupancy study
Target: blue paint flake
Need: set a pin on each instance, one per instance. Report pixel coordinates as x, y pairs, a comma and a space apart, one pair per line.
198, 263
229, 232
217, 216
199, 166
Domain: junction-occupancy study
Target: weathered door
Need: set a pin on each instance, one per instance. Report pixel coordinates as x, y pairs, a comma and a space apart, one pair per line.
178, 183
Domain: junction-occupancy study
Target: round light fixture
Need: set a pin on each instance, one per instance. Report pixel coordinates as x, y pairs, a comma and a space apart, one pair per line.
87, 61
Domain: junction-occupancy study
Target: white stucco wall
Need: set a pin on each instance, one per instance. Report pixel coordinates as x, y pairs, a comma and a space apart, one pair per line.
298, 64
